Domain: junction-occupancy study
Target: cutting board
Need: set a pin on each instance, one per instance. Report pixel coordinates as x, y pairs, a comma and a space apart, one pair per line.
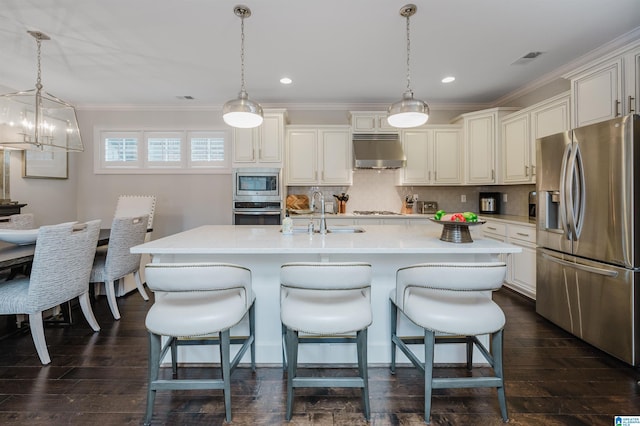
297, 202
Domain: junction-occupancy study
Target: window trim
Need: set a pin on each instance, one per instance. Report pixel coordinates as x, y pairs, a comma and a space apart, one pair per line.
143, 166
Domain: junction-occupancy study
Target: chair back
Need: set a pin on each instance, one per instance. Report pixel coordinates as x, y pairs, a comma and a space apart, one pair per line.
136, 205
126, 232
62, 263
326, 275
453, 277
17, 221
199, 277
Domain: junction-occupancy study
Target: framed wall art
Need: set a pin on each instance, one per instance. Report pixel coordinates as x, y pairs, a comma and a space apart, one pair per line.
45, 164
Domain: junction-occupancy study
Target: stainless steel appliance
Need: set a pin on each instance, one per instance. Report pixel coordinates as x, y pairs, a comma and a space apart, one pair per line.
533, 204
490, 202
588, 229
257, 196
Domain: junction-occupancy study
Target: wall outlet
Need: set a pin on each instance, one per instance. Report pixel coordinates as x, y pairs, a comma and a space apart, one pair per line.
415, 197
463, 198
504, 198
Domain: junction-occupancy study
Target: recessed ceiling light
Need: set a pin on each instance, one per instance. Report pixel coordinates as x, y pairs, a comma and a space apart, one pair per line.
286, 80
448, 79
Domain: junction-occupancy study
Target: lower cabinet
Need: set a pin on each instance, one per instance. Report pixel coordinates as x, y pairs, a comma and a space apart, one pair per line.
521, 267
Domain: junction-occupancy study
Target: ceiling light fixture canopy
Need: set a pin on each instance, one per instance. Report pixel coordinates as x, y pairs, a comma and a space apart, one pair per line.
242, 112
36, 120
408, 112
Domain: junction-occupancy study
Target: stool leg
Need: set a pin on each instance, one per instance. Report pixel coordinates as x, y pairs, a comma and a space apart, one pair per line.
496, 345
225, 355
469, 353
361, 342
174, 356
152, 375
429, 347
252, 333
284, 347
292, 358
394, 327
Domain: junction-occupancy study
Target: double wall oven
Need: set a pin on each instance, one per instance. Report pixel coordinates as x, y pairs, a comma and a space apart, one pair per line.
257, 196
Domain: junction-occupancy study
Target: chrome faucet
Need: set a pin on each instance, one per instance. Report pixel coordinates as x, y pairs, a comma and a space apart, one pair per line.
323, 220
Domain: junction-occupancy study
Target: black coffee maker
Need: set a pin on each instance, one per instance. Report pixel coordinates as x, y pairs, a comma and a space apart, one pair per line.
533, 202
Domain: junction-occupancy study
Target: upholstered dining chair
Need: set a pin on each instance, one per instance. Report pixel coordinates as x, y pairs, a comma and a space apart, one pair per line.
61, 267
118, 261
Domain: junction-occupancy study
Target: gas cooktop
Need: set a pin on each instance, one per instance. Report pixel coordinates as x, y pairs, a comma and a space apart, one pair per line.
375, 212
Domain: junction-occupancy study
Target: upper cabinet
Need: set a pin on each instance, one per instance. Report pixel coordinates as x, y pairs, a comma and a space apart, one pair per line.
434, 156
261, 146
370, 122
606, 88
318, 155
481, 144
520, 131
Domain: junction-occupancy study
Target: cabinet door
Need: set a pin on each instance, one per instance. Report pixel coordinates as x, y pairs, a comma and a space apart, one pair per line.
302, 157
415, 144
632, 82
335, 156
243, 145
516, 149
597, 94
523, 269
546, 120
447, 157
271, 138
480, 148
364, 123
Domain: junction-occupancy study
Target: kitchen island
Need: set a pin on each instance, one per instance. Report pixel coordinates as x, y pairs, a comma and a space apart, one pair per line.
264, 248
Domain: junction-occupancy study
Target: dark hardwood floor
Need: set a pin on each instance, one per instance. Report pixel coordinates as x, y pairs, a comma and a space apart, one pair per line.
552, 378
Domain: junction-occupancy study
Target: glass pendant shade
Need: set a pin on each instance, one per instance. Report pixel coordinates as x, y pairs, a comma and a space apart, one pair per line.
408, 112
242, 112
34, 120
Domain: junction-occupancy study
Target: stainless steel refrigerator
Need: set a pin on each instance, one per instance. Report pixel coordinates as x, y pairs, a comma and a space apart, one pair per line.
588, 234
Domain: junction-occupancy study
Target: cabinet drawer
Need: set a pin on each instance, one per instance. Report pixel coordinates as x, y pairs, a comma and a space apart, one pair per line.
524, 233
495, 228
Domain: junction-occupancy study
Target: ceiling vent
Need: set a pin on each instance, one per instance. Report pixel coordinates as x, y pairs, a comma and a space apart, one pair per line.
527, 58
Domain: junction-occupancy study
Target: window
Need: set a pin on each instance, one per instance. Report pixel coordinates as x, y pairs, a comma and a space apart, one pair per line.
162, 151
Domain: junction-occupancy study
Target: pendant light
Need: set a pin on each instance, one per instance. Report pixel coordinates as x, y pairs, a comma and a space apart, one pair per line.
37, 120
408, 112
242, 112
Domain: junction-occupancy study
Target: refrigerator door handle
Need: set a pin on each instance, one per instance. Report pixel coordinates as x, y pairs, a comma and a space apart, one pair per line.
563, 192
586, 268
576, 192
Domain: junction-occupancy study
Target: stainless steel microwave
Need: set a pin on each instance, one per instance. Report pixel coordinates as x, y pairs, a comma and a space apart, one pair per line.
257, 183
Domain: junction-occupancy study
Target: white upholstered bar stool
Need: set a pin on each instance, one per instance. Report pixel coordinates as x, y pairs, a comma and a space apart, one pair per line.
327, 302
452, 302
197, 304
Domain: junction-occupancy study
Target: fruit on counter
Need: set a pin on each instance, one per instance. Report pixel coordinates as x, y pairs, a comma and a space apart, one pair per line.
456, 217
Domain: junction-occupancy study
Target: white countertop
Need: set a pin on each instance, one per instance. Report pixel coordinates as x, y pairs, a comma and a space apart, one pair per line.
380, 239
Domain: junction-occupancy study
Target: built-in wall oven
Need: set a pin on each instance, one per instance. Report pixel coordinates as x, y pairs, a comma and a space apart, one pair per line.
257, 196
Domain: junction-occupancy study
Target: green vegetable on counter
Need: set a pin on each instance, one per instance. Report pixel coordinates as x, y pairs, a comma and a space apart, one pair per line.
439, 214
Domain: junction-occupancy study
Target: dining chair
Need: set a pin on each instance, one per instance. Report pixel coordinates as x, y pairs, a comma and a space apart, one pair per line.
118, 261
61, 267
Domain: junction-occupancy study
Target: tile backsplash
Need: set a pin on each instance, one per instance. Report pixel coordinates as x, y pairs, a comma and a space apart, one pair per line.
378, 190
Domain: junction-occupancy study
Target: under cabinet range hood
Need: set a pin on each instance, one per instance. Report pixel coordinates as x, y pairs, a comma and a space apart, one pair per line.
377, 151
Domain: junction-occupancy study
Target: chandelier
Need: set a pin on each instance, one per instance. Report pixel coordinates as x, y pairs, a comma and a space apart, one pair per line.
36, 120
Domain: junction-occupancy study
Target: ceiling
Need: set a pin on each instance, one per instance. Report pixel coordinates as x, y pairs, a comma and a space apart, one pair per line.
152, 52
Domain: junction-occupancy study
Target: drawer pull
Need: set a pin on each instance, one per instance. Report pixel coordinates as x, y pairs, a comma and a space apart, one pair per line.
492, 228
522, 234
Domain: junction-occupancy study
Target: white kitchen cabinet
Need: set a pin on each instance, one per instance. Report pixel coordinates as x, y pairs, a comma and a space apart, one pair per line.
318, 155
482, 144
261, 146
434, 156
520, 131
521, 267
606, 88
370, 122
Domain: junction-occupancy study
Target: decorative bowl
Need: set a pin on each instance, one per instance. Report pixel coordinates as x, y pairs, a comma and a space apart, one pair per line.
21, 237
456, 232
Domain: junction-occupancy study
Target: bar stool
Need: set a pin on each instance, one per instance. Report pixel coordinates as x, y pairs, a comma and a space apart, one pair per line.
450, 301
329, 302
197, 300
